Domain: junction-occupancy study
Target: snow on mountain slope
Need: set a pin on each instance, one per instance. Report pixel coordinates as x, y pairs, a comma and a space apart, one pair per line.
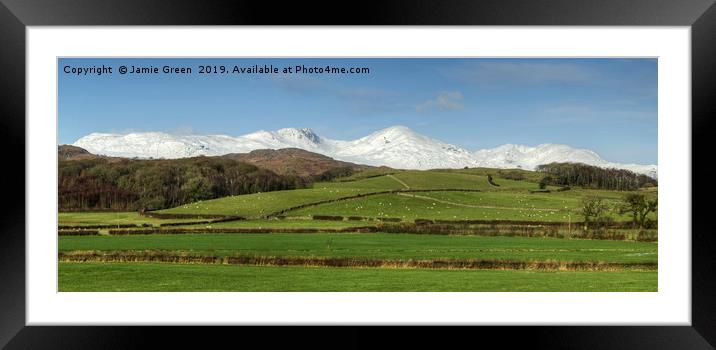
524, 157
400, 147
397, 147
529, 157
163, 145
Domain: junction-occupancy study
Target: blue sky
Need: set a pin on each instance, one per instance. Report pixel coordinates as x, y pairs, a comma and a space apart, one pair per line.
607, 105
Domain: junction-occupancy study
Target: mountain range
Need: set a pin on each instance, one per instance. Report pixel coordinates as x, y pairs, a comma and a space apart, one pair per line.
396, 147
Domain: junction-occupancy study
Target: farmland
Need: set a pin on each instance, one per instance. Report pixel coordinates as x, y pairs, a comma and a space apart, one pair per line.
376, 246
140, 277
449, 217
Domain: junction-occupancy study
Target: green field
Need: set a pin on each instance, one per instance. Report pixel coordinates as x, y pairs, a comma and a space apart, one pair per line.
110, 218
372, 184
375, 246
455, 180
420, 206
470, 197
458, 206
510, 201
141, 277
260, 204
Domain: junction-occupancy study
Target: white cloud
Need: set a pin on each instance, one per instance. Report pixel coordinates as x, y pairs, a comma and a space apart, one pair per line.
445, 100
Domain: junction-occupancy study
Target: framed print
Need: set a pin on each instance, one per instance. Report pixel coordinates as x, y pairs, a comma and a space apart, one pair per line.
464, 167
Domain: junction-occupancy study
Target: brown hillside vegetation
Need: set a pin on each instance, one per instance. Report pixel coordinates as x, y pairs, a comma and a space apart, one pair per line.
132, 184
293, 161
94, 182
69, 152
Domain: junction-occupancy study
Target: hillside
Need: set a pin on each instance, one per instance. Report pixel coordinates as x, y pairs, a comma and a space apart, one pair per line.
89, 181
69, 152
293, 161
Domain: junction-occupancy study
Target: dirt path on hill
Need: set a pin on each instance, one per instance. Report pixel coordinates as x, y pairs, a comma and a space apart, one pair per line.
399, 180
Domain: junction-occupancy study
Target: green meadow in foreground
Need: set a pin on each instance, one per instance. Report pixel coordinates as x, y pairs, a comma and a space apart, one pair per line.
140, 277
375, 246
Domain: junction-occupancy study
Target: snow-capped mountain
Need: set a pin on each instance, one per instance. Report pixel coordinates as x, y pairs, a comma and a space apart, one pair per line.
524, 157
396, 147
400, 147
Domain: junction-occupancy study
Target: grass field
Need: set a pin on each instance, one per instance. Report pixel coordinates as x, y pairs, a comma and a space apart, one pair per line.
111, 218
439, 180
470, 197
459, 206
372, 184
260, 204
375, 246
415, 206
256, 205
510, 201
140, 277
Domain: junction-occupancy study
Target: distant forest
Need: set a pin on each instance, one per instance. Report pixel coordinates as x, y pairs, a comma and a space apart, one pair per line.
578, 174
124, 184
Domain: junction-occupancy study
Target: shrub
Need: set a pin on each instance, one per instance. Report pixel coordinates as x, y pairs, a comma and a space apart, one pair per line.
647, 236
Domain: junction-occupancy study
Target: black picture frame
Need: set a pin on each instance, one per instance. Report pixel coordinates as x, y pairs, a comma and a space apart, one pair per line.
16, 15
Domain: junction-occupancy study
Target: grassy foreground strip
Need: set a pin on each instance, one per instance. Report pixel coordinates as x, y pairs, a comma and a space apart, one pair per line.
152, 277
482, 264
375, 246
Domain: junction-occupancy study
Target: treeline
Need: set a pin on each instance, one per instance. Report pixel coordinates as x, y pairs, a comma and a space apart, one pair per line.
157, 184
578, 174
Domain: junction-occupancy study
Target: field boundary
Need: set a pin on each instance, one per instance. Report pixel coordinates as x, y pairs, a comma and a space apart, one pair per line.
78, 232
202, 230
421, 227
462, 264
90, 227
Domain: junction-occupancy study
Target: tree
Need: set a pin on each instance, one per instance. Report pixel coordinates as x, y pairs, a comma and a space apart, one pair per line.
592, 208
639, 206
157, 184
577, 174
544, 182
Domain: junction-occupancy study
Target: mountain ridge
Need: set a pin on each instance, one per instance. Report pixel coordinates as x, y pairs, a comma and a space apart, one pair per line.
396, 147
